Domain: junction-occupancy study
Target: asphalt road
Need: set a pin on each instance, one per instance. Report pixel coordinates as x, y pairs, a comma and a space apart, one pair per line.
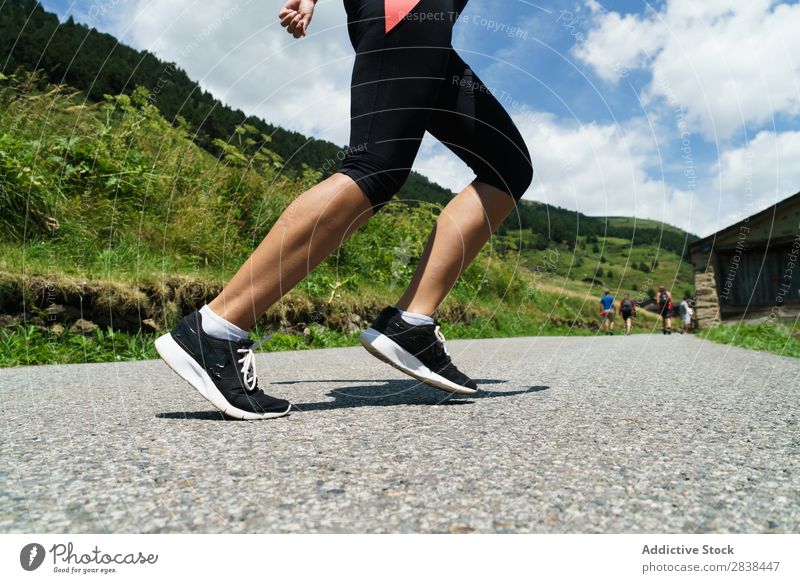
622, 434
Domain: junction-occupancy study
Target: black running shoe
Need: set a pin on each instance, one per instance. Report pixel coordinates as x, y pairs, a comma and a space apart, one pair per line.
418, 351
223, 371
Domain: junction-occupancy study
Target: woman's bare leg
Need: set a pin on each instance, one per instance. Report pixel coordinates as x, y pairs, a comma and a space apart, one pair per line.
309, 230
463, 228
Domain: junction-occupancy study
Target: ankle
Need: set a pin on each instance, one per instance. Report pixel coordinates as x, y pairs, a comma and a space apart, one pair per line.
218, 327
415, 318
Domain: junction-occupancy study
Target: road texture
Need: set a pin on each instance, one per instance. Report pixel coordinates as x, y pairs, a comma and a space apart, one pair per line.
622, 434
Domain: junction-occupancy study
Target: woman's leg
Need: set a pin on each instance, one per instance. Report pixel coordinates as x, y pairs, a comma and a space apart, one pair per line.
308, 231
475, 126
462, 229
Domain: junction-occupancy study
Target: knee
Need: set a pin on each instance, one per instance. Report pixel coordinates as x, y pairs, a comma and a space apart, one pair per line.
507, 165
513, 174
379, 178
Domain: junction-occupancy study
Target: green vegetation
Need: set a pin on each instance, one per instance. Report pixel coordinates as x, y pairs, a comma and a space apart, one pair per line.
776, 338
29, 345
589, 264
538, 226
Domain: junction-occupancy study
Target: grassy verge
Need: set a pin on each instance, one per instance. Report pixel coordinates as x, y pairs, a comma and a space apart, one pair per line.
33, 345
29, 345
776, 338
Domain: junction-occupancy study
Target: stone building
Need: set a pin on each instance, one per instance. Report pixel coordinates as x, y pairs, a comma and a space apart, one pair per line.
750, 270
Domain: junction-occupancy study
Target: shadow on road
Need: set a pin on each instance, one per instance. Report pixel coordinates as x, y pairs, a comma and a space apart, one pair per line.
479, 381
389, 394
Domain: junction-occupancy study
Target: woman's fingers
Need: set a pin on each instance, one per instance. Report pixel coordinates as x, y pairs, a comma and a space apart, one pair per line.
286, 19
294, 28
290, 28
295, 22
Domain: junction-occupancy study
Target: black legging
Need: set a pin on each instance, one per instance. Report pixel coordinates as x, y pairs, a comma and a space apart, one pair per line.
410, 80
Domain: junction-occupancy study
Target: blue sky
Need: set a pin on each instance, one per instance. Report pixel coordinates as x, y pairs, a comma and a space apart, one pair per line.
681, 111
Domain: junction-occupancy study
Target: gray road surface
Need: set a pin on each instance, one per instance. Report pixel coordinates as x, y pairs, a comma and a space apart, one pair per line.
637, 434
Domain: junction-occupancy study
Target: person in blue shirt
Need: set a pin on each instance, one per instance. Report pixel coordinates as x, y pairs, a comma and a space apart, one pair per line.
607, 313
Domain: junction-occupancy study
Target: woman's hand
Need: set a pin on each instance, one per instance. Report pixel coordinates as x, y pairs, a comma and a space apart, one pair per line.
295, 16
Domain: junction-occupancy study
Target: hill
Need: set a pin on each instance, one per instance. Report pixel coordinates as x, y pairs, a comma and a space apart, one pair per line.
630, 222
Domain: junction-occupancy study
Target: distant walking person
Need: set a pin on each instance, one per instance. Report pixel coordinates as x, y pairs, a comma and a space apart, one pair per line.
607, 313
627, 310
407, 80
665, 309
685, 310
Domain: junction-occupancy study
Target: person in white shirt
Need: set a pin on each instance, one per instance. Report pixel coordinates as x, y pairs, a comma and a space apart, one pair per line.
686, 311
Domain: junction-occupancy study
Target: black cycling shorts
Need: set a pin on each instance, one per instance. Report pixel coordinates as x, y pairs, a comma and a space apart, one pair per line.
410, 80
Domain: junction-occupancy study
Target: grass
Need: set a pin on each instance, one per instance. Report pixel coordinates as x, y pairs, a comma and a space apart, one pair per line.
28, 345
776, 338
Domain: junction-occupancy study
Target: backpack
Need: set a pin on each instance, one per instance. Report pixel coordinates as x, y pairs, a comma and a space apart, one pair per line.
627, 305
663, 298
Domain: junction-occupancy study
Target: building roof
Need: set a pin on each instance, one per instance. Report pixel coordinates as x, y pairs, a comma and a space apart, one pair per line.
774, 209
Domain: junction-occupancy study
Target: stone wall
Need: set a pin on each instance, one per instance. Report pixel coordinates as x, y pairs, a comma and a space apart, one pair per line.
705, 284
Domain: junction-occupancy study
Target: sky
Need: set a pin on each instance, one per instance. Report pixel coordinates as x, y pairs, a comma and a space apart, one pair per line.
681, 111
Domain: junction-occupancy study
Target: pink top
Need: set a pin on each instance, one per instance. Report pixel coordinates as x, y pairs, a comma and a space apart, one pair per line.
396, 10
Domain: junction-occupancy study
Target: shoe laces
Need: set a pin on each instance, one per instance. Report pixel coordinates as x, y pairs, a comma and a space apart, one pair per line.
440, 337
248, 363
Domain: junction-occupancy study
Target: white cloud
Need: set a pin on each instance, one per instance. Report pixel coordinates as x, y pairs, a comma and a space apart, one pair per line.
727, 64
608, 170
619, 43
757, 175
604, 170
239, 52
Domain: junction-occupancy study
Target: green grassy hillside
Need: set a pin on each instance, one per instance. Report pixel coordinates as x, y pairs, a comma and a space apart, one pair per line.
591, 264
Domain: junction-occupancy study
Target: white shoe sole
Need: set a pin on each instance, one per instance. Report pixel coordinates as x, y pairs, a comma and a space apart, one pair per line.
387, 350
189, 370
